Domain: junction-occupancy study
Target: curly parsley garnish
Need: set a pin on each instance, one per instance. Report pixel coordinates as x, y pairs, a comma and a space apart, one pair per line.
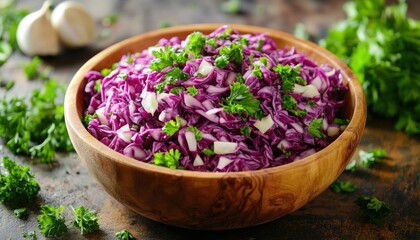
51, 222
85, 219
373, 209
170, 159
241, 101
18, 187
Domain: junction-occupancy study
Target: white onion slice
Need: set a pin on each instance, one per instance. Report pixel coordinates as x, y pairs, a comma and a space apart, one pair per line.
225, 147
150, 103
191, 141
205, 68
101, 115
198, 161
124, 133
223, 162
264, 124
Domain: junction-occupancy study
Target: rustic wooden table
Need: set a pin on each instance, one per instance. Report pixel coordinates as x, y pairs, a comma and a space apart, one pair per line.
396, 180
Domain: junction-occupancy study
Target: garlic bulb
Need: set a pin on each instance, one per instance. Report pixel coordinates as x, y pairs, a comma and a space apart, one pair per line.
74, 25
36, 35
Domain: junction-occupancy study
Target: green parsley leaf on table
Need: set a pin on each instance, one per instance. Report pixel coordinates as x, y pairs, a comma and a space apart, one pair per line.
124, 235
381, 44
37, 128
373, 209
170, 159
315, 128
85, 219
342, 187
18, 186
171, 126
21, 213
51, 222
352, 166
231, 6
369, 157
241, 101
29, 235
31, 69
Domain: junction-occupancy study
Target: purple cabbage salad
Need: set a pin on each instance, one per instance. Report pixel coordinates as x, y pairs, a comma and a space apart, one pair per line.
222, 102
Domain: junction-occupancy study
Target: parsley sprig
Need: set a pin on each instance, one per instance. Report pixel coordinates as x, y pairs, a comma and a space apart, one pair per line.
85, 219
166, 58
315, 128
289, 76
241, 101
171, 77
171, 126
51, 222
169, 159
36, 129
290, 104
373, 209
370, 157
18, 186
195, 44
228, 54
342, 187
124, 235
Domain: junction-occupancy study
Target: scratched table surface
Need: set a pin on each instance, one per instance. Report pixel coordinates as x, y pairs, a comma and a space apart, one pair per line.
330, 216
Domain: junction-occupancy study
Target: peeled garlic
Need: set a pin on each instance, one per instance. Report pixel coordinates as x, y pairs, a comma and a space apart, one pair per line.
73, 23
36, 35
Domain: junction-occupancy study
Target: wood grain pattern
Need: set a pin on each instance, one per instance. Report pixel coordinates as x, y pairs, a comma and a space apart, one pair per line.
213, 201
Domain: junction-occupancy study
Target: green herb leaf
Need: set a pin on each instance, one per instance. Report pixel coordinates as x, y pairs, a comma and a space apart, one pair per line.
21, 213
195, 44
51, 222
37, 128
368, 158
167, 58
32, 69
381, 44
197, 133
170, 159
241, 101
124, 235
5, 51
171, 126
110, 20
85, 219
221, 61
373, 209
29, 235
18, 187
208, 152
171, 77
176, 90
193, 91
352, 166
212, 42
290, 104
246, 131
233, 52
342, 187
257, 72
315, 128
231, 6
98, 86
289, 76
340, 121
165, 24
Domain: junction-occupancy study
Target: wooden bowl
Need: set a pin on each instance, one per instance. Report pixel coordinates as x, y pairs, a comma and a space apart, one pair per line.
213, 201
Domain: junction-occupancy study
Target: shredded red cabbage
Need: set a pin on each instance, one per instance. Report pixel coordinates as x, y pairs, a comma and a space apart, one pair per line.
126, 111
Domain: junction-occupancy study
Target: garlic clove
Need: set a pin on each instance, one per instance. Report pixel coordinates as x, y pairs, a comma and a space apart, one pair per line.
74, 24
35, 34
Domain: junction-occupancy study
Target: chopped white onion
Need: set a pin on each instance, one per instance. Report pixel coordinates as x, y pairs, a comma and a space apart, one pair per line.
311, 91
333, 131
223, 162
205, 68
198, 161
150, 103
124, 133
191, 141
101, 115
317, 82
225, 147
264, 124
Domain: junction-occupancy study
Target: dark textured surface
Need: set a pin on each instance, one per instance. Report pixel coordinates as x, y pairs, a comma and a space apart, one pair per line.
330, 216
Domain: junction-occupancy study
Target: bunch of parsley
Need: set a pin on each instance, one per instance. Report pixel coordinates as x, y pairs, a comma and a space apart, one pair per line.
382, 47
35, 128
